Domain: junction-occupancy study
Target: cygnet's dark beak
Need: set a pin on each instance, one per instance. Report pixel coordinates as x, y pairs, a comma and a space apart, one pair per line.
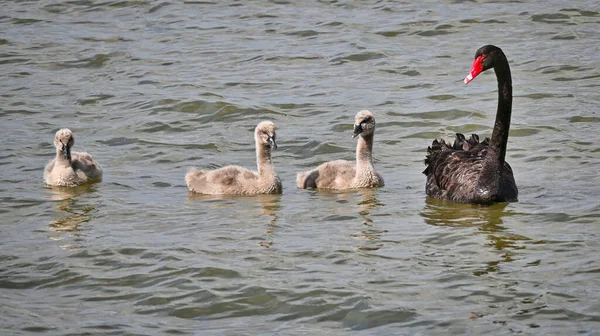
66, 152
272, 143
357, 130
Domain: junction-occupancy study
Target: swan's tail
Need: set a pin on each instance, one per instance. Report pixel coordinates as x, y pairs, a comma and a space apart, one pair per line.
460, 143
300, 180
193, 178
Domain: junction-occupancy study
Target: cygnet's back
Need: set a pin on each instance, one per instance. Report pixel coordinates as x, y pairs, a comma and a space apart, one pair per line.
68, 168
342, 174
235, 180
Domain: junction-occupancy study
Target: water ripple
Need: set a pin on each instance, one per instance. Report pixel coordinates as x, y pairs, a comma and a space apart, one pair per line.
154, 87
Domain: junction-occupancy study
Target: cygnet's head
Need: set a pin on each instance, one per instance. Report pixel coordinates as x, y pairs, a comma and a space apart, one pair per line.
63, 141
265, 134
364, 123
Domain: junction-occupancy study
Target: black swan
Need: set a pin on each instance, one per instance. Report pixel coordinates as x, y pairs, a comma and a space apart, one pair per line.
470, 171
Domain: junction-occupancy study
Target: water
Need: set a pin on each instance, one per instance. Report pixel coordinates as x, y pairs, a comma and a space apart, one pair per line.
152, 88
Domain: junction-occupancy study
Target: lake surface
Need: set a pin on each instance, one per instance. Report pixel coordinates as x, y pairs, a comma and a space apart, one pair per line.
152, 88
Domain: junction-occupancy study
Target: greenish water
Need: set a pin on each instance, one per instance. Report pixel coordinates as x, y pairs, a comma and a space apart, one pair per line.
152, 88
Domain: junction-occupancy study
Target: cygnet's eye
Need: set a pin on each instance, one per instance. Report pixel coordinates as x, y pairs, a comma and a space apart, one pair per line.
366, 123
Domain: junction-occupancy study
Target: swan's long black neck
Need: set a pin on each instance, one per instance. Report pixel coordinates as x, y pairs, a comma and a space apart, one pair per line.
494, 162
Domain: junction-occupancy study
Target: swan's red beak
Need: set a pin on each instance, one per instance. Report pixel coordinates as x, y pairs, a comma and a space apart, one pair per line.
476, 69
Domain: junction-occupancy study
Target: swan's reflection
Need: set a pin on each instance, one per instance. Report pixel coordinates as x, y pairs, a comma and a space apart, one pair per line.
442, 213
268, 205
488, 220
70, 213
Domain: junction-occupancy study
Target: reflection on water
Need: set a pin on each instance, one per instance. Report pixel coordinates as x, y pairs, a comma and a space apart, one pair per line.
487, 219
63, 193
367, 202
71, 211
370, 235
268, 205
153, 90
441, 213
73, 217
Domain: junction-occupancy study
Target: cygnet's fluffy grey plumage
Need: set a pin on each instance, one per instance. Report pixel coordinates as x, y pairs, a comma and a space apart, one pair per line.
70, 169
235, 180
342, 174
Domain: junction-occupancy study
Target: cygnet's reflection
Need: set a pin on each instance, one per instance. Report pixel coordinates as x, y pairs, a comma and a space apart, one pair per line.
366, 199
268, 205
370, 235
71, 213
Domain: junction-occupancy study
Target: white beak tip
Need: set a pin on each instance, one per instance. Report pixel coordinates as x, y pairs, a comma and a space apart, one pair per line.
468, 79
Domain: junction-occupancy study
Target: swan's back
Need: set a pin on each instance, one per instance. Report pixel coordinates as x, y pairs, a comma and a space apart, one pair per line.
235, 180
232, 180
84, 162
226, 180
338, 174
453, 170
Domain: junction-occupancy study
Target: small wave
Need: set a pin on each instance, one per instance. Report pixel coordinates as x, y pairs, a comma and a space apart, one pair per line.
556, 18
94, 99
303, 33
582, 119
94, 62
586, 13
20, 21
441, 97
392, 33
537, 96
452, 114
359, 57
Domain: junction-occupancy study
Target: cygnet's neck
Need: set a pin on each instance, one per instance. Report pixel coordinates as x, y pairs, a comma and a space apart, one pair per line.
263, 160
364, 154
60, 158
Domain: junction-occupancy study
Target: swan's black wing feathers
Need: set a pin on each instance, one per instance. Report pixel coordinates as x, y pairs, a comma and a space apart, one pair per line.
452, 170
